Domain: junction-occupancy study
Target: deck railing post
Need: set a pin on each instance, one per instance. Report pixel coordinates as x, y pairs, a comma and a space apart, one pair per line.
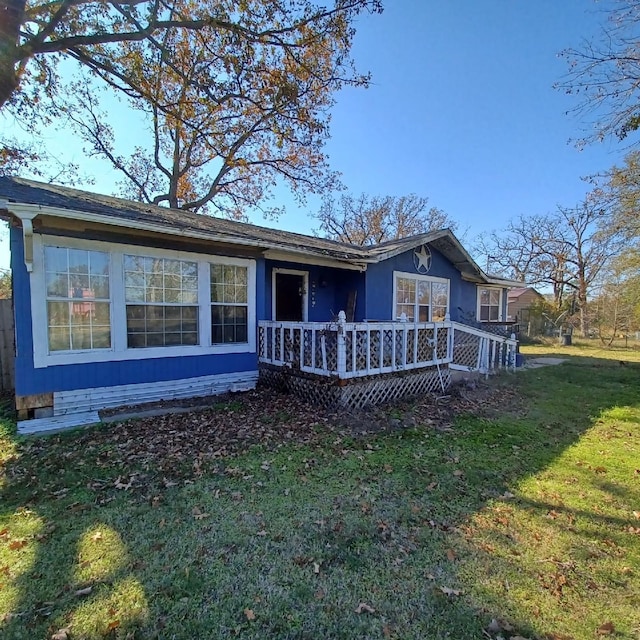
342, 344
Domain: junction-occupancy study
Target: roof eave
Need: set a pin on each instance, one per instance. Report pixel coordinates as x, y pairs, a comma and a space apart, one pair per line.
24, 211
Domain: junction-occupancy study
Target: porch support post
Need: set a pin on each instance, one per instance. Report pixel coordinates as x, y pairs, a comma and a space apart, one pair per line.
342, 344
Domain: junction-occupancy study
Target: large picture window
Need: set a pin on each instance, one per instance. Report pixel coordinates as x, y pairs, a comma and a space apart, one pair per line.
421, 299
489, 304
229, 303
78, 299
161, 297
97, 301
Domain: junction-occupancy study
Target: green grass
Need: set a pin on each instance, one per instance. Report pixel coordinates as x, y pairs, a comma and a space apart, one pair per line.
587, 350
525, 518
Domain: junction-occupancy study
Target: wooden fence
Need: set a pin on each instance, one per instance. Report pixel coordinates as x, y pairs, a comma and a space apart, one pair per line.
7, 345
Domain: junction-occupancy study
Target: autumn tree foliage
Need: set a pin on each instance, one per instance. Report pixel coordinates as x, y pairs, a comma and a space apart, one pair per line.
367, 220
235, 93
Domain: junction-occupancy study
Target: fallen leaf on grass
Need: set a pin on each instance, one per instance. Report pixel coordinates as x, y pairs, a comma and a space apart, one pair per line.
364, 607
119, 484
198, 515
606, 629
4, 532
600, 470
249, 614
450, 592
114, 624
451, 554
636, 515
316, 567
14, 545
97, 536
61, 634
83, 592
458, 473
261, 533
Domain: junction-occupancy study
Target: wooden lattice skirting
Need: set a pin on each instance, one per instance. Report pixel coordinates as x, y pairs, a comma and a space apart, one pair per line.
355, 393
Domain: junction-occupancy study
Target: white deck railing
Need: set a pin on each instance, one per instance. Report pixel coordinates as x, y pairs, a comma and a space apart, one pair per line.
357, 349
477, 350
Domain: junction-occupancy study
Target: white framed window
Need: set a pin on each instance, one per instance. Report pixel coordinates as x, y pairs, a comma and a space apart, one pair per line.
420, 298
94, 301
229, 303
161, 296
78, 299
489, 304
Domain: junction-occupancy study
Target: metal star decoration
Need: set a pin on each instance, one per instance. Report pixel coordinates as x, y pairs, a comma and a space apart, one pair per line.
422, 259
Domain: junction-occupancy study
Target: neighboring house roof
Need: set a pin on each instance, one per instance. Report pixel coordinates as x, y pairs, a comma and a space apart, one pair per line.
26, 199
514, 294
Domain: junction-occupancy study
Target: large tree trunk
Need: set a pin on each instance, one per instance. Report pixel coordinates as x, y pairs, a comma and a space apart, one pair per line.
11, 15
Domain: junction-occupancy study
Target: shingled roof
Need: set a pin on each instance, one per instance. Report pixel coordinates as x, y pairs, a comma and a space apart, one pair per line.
56, 200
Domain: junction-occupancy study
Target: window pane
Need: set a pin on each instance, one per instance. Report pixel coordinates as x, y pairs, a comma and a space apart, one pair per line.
424, 292
55, 259
484, 296
439, 314
172, 267
484, 314
190, 270
494, 296
98, 263
101, 313
241, 293
59, 339
439, 291
100, 286
407, 309
57, 285
216, 273
78, 261
493, 313
423, 314
58, 314
101, 337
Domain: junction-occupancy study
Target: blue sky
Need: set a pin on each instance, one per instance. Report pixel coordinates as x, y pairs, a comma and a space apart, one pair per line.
461, 109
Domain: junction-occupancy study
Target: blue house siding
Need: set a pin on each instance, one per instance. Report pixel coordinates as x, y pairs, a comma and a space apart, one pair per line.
31, 380
379, 286
329, 290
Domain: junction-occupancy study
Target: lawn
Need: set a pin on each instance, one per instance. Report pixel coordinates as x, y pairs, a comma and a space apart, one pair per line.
511, 512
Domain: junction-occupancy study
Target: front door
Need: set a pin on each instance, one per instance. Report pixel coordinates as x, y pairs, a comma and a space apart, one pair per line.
290, 295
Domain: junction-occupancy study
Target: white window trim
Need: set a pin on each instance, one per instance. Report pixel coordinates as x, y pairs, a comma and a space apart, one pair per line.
421, 278
305, 293
119, 350
500, 292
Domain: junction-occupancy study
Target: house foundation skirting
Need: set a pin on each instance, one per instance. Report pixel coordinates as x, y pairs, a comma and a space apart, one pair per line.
80, 407
356, 393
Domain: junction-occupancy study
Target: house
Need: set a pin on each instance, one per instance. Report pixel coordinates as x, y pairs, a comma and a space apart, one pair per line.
118, 303
519, 301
